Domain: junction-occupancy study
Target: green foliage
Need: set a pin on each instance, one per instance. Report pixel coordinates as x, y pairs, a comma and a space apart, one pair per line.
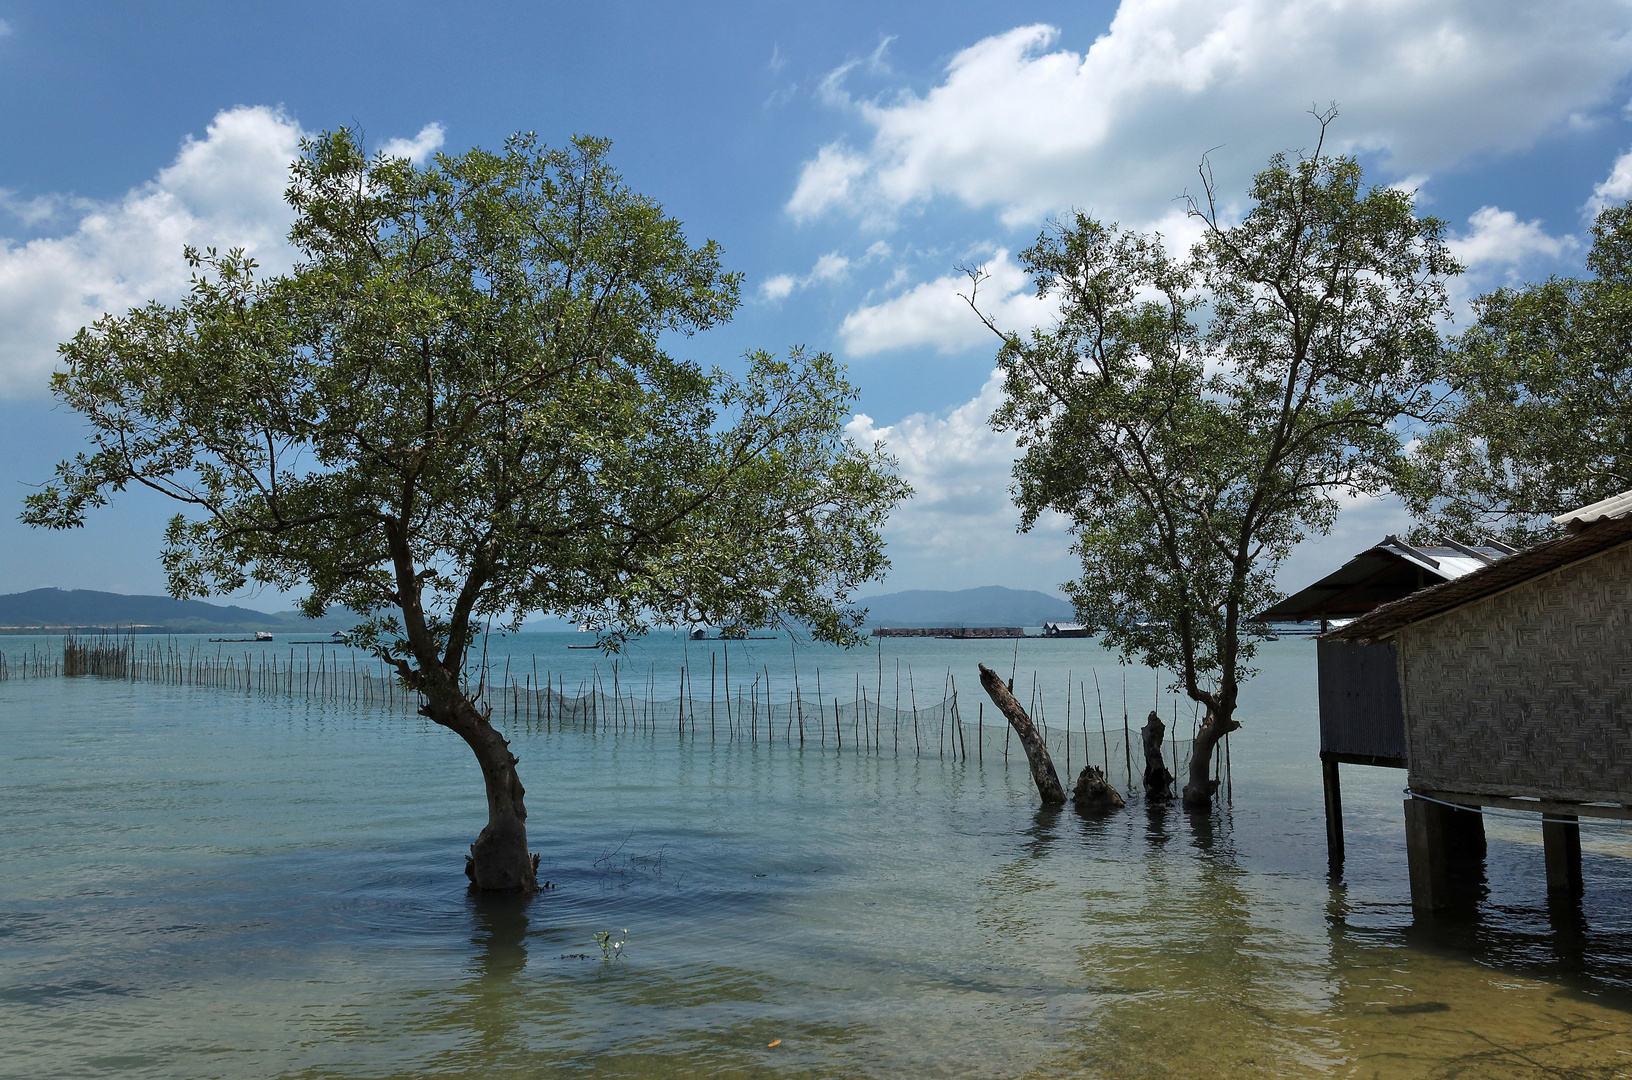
1541, 420
1195, 418
460, 406
611, 949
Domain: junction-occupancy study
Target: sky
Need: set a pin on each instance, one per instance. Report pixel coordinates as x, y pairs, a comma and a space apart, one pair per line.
848, 157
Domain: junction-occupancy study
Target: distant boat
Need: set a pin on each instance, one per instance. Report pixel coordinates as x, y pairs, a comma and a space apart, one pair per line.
263, 635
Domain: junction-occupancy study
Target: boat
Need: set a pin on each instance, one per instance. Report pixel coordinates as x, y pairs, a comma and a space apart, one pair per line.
263, 635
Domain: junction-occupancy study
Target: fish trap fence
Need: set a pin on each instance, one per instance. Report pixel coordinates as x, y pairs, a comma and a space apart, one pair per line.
941, 729
757, 713
325, 674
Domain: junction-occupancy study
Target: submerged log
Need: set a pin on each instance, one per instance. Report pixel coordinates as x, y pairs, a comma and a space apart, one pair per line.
1158, 781
1042, 767
1094, 795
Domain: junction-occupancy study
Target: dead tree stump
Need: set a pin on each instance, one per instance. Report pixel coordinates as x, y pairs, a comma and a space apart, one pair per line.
1094, 795
1042, 767
1158, 781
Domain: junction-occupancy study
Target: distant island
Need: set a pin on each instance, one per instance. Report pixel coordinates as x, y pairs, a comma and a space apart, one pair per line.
990, 605
55, 611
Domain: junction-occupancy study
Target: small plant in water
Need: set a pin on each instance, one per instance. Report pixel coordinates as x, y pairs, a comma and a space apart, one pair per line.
610, 949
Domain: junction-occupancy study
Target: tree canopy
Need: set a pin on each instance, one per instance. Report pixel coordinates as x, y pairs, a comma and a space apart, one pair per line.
462, 405
1540, 417
1195, 417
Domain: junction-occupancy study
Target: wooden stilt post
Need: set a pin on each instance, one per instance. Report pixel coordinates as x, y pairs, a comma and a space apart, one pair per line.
1334, 811
1465, 838
1561, 841
1426, 855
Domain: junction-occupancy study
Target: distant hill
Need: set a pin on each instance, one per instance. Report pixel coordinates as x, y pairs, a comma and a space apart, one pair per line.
991, 605
54, 610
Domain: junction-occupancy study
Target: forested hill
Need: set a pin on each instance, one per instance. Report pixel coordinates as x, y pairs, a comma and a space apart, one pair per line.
992, 605
53, 610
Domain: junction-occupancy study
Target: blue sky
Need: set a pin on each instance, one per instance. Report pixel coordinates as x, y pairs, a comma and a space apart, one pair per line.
846, 156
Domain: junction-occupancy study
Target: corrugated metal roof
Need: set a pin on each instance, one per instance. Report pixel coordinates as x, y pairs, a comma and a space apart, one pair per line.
1379, 575
1616, 506
1532, 562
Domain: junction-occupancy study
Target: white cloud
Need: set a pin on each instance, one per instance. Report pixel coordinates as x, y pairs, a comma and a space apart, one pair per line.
419, 148
31, 212
960, 524
959, 529
1496, 248
224, 190
5, 28
1024, 129
829, 268
779, 287
827, 181
1362, 523
1500, 250
1616, 187
1499, 239
934, 313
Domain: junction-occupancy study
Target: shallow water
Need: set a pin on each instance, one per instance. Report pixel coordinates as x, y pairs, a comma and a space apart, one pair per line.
207, 884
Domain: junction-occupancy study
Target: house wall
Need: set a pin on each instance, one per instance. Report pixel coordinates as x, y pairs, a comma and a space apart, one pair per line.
1360, 700
1528, 692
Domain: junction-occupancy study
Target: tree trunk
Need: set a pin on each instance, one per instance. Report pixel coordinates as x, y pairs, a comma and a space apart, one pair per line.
1042, 768
499, 860
1198, 792
1158, 781
1094, 794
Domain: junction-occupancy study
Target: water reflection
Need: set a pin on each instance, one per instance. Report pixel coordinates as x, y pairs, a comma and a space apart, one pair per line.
1185, 964
499, 937
1044, 830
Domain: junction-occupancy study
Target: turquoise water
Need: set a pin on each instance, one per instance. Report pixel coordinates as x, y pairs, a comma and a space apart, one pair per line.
201, 883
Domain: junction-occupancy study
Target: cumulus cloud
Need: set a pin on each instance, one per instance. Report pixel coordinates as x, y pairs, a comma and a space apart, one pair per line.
1024, 128
417, 149
224, 190
960, 524
830, 267
833, 178
936, 313
1362, 523
31, 212
1498, 249
1497, 238
1616, 187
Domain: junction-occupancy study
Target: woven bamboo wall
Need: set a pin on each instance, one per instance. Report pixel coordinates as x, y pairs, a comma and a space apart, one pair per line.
1528, 692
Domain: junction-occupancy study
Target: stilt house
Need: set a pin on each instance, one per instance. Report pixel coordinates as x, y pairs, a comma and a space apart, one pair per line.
1514, 685
1360, 718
